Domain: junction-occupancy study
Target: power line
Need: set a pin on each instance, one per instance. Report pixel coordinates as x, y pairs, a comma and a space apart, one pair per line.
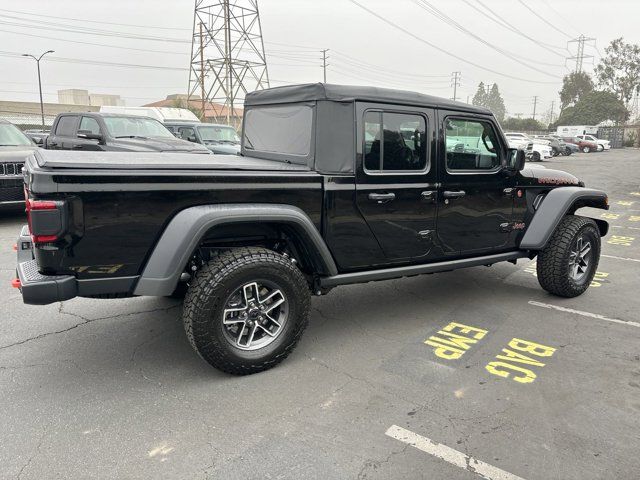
425, 5
94, 21
457, 57
496, 18
544, 19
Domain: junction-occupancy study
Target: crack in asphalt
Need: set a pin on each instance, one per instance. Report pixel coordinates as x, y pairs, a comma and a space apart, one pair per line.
34, 455
84, 321
370, 462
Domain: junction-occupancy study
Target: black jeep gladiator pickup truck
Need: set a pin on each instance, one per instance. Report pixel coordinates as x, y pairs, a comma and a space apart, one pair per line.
335, 185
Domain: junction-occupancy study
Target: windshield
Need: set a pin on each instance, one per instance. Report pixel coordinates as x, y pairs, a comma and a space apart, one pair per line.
136, 127
218, 134
10, 135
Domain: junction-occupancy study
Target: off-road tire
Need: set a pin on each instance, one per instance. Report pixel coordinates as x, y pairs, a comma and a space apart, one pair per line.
553, 265
216, 281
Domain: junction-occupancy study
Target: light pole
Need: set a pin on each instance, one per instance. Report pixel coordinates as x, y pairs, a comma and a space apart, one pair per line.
37, 59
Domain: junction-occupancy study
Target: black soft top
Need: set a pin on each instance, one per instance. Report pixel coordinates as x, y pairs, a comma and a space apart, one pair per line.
350, 93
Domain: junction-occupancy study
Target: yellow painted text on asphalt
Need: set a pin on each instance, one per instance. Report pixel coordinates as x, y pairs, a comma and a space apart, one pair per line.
454, 339
516, 361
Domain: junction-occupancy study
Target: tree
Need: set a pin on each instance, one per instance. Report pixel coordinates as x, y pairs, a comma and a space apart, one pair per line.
619, 70
593, 108
522, 124
495, 103
574, 86
480, 98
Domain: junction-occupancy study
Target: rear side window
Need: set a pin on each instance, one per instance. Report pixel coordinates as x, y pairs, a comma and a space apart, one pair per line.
66, 126
471, 145
394, 142
282, 130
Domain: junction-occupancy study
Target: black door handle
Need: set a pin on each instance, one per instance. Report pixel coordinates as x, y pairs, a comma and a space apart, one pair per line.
428, 195
382, 197
458, 194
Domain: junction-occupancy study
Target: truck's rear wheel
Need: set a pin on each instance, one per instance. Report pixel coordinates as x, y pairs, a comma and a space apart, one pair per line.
246, 310
568, 263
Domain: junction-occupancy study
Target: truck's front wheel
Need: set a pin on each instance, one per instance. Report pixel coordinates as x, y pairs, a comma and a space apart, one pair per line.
246, 310
568, 263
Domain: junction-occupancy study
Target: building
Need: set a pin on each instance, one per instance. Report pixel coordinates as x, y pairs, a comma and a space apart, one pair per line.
77, 96
213, 112
27, 114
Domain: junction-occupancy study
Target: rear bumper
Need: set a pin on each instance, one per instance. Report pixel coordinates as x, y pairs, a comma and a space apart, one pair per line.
38, 289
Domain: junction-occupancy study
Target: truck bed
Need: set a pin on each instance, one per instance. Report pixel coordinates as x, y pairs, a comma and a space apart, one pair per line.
61, 159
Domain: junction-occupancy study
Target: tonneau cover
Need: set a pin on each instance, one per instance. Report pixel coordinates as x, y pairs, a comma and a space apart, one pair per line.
350, 93
156, 161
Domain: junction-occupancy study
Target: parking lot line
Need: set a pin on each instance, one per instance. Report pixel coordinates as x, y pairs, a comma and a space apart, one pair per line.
584, 314
620, 258
450, 455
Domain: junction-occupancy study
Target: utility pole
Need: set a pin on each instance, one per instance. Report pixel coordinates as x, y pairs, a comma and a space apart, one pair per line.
580, 56
455, 83
37, 59
324, 64
535, 103
553, 103
227, 55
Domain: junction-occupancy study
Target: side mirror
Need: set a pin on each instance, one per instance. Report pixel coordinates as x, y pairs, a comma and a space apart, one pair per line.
516, 160
89, 135
192, 138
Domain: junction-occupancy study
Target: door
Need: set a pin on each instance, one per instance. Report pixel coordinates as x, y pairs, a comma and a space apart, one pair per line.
88, 144
64, 134
395, 179
476, 193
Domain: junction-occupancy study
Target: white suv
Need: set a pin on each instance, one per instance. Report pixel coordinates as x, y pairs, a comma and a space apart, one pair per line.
602, 144
536, 149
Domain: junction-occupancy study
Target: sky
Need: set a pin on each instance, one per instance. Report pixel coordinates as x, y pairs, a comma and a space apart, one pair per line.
419, 53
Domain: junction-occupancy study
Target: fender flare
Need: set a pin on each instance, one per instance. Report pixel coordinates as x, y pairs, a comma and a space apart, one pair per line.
555, 206
186, 230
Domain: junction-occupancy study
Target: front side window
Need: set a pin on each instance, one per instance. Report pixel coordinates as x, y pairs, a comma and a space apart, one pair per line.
90, 124
11, 136
135, 127
394, 142
282, 130
471, 145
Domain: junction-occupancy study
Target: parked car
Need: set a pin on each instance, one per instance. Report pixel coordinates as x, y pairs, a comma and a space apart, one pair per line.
585, 146
220, 139
38, 136
569, 148
558, 146
14, 147
310, 205
536, 150
602, 144
162, 114
115, 133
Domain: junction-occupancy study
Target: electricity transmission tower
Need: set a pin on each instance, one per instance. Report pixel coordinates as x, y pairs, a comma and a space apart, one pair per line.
455, 83
580, 56
227, 55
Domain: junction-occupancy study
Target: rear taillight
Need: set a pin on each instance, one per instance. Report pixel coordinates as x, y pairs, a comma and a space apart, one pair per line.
44, 219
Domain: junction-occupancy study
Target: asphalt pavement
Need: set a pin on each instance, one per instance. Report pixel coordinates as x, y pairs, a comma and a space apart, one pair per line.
513, 382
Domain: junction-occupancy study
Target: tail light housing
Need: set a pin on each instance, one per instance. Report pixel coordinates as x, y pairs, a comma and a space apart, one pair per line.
45, 219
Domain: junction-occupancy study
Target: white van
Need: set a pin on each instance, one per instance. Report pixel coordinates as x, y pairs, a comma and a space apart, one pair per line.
162, 114
575, 130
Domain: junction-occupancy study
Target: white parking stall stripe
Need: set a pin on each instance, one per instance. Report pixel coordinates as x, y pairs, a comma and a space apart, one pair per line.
584, 314
620, 258
450, 455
